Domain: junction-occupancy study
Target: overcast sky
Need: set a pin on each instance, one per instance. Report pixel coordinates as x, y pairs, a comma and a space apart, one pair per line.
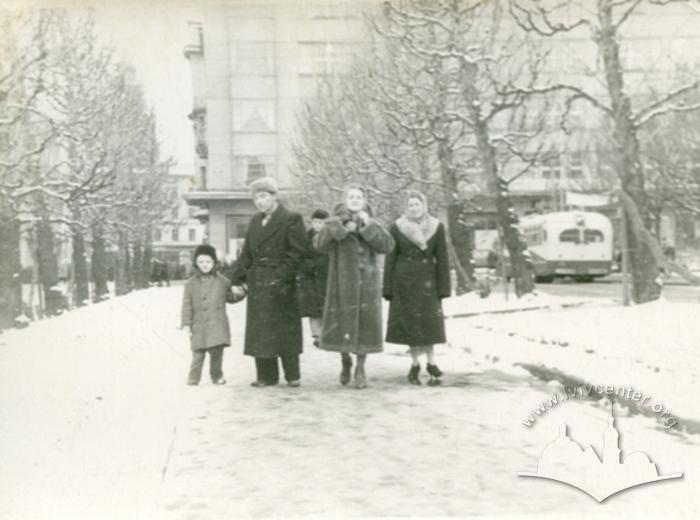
151, 35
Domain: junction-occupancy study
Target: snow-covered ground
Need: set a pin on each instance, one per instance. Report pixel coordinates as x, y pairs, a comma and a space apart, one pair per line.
652, 348
97, 422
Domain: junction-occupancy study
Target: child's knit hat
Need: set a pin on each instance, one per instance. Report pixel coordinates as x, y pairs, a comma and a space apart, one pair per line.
205, 249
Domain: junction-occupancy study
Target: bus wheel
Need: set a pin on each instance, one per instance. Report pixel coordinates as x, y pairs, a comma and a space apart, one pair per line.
544, 279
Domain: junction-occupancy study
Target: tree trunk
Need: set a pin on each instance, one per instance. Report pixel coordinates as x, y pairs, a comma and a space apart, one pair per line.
48, 267
522, 269
10, 282
121, 284
80, 269
458, 233
147, 260
643, 266
462, 244
128, 265
137, 266
99, 264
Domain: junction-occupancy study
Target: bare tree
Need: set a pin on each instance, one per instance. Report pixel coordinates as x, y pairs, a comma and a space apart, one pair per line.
606, 21
90, 162
437, 107
24, 135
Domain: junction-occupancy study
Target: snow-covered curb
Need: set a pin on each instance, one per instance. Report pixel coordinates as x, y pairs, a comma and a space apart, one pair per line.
471, 304
651, 347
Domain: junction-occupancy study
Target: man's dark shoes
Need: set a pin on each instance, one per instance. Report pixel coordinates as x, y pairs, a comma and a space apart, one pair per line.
259, 384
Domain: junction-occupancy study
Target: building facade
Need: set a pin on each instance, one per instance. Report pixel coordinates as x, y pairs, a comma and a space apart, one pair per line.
253, 62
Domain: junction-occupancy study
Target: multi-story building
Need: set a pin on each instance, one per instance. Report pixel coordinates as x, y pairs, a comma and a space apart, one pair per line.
252, 63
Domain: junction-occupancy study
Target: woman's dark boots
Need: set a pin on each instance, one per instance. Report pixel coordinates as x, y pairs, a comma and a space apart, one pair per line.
413, 375
346, 373
435, 375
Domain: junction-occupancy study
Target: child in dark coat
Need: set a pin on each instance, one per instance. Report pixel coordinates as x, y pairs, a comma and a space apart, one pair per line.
204, 314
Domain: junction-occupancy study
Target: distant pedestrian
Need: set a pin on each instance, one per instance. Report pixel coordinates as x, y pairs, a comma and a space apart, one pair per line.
312, 278
204, 314
352, 315
416, 278
157, 273
166, 273
274, 247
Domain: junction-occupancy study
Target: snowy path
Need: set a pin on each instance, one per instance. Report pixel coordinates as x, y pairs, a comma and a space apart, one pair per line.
97, 423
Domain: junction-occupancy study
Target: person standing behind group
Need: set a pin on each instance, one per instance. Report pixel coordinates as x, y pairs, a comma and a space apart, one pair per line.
312, 278
274, 246
416, 278
352, 315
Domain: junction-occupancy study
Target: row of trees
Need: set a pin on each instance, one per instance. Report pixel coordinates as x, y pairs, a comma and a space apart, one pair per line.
79, 161
457, 95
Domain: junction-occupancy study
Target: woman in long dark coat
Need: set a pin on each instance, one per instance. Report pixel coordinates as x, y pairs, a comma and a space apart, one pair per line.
352, 316
416, 278
312, 278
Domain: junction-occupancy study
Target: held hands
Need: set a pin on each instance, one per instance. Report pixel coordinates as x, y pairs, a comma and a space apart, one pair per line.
364, 217
361, 218
187, 330
239, 291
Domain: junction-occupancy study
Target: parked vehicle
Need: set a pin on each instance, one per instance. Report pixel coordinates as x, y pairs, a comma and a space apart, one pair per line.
569, 243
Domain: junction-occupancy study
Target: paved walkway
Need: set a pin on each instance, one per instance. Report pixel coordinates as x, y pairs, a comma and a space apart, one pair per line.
98, 423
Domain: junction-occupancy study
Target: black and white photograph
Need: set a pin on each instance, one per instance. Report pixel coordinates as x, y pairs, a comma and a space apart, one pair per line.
318, 259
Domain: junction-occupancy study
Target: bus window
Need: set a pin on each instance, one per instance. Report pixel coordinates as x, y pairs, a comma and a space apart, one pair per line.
592, 235
570, 235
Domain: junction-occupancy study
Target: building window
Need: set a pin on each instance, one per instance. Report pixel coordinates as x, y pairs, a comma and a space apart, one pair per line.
631, 55
576, 165
331, 10
175, 234
203, 177
191, 235
4, 141
322, 57
551, 168
251, 167
254, 59
558, 60
254, 115
175, 212
157, 235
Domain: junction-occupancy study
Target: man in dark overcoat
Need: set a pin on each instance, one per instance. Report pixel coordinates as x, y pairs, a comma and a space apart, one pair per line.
274, 247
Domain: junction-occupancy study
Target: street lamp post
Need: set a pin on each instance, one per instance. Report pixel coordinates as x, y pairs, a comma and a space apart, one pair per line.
624, 247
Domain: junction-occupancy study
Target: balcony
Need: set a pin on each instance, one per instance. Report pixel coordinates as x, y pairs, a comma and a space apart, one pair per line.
198, 116
195, 45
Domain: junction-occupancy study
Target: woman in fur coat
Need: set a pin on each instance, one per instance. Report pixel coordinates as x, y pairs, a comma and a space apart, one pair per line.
352, 315
416, 278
